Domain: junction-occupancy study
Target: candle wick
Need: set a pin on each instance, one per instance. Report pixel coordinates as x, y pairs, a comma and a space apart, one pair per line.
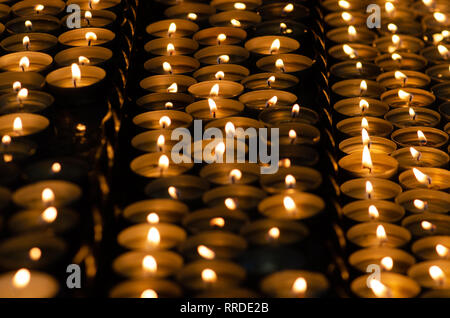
214, 114
74, 83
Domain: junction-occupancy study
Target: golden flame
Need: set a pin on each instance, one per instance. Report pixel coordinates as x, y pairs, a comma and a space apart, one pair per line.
219, 222
279, 64
212, 106
290, 181
240, 6
414, 153
168, 105
346, 16
192, 16
230, 204
275, 46
209, 276
363, 86
17, 86
400, 76
363, 105
367, 159
149, 293
421, 177
90, 36
160, 141
272, 101
351, 30
443, 51
289, 204
50, 214
149, 264
170, 49
38, 8
35, 253
21, 278
286, 163
369, 188
292, 134
395, 39
221, 37
365, 137
358, 65
387, 262
378, 288
439, 17
389, 7
223, 59
442, 250
235, 22
28, 24
76, 73
235, 175
153, 218
270, 80
403, 95
17, 124
23, 93
173, 88
427, 225
88, 15
364, 123
206, 252
381, 233
229, 129
56, 167
295, 110
153, 236
24, 63
419, 204
26, 41
274, 232
214, 92
427, 2
288, 8
172, 29
396, 57
163, 162
299, 286
421, 137
373, 212
219, 75
164, 121
392, 27
437, 274
412, 113
83, 60
6, 140
349, 51
173, 192
167, 67
344, 4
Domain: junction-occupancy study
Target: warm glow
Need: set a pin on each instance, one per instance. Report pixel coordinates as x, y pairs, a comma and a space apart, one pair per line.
230, 129
373, 212
279, 64
364, 123
173, 192
369, 188
88, 15
349, 51
358, 65
192, 16
351, 30
17, 86
23, 93
288, 8
365, 137
221, 37
168, 105
378, 288
149, 264
427, 2
286, 163
26, 42
274, 232
24, 63
219, 75
212, 106
403, 95
387, 262
419, 204
209, 276
170, 49
21, 278
214, 92
421, 177
83, 60
6, 140
76, 73
235, 22
421, 137
160, 141
290, 181
437, 274
440, 17
412, 113
396, 56
275, 46
28, 24
389, 7
35, 253
344, 4
167, 67
299, 286
206, 252
443, 51
164, 121
414, 153
270, 80
149, 293
17, 124
392, 27
49, 215
223, 59
427, 225
367, 159
442, 250
219, 222
163, 162
173, 88
153, 218
381, 233
272, 101
235, 175
295, 110
56, 167
289, 204
172, 29
395, 39
240, 6
38, 8
363, 105
346, 16
153, 236
230, 204
90, 36
399, 75
363, 86
292, 134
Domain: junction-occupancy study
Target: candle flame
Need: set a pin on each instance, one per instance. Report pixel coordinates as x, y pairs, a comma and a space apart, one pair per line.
153, 236
17, 86
419, 204
363, 105
346, 16
369, 188
367, 159
364, 123
292, 134
35, 253
23, 93
88, 15
378, 288
412, 113
387, 262
235, 175
389, 7
439, 17
288, 8
299, 286
395, 39
160, 141
392, 27
421, 177
163, 162
286, 163
363, 86
275, 46
47, 196
358, 65
295, 110
170, 49
427, 2
6, 140
219, 222
427, 225
214, 92
26, 42
219, 75
83, 60
437, 274
274, 232
396, 57
209, 276
403, 95
230, 204
414, 153
149, 293
223, 59
400, 76
149, 264
28, 24
212, 106
173, 192
50, 214
172, 29
167, 67
289, 204
221, 37
365, 137
90, 36
381, 233
270, 80
349, 51
56, 167
205, 252
344, 4
38, 8
442, 250
153, 218
76, 73
229, 129
443, 51
351, 30
373, 212
24, 63
192, 16
239, 6
272, 101
164, 121
173, 88
421, 137
21, 278
290, 181
235, 22
279, 64
168, 105
17, 125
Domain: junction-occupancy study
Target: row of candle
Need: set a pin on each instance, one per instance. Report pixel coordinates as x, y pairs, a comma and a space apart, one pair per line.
219, 229
44, 236
370, 159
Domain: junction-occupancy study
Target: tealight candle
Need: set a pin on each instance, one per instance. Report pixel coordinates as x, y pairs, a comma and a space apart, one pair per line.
236, 196
94, 18
439, 73
432, 247
86, 37
25, 101
225, 5
230, 173
349, 34
421, 200
169, 46
261, 99
16, 149
295, 284
420, 157
95, 4
371, 188
25, 62
409, 97
155, 211
345, 18
295, 205
284, 63
401, 61
398, 43
438, 54
13, 81
85, 55
291, 179
420, 136
182, 187
154, 141
164, 101
29, 42
405, 78
167, 83
433, 274
355, 69
214, 108
333, 5
222, 54
373, 210
159, 236
220, 36
426, 224
373, 126
146, 288
370, 234
358, 106
275, 115
353, 51
34, 23
22, 124
389, 285
270, 80
271, 44
442, 91
163, 119
365, 164
215, 218
42, 7
410, 116
192, 11
27, 284
216, 89
425, 177
357, 88
389, 259
230, 72
375, 144
154, 165
176, 64
235, 18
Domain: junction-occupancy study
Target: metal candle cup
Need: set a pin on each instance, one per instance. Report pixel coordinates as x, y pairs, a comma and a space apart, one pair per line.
409, 136
209, 36
184, 28
137, 288
384, 166
222, 54
167, 210
362, 259
262, 99
181, 46
243, 196
215, 218
382, 189
235, 18
395, 286
366, 235
401, 61
421, 274
355, 106
231, 72
386, 211
274, 232
377, 145
355, 51
406, 44
435, 178
185, 188
37, 42
350, 69
39, 285
427, 157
